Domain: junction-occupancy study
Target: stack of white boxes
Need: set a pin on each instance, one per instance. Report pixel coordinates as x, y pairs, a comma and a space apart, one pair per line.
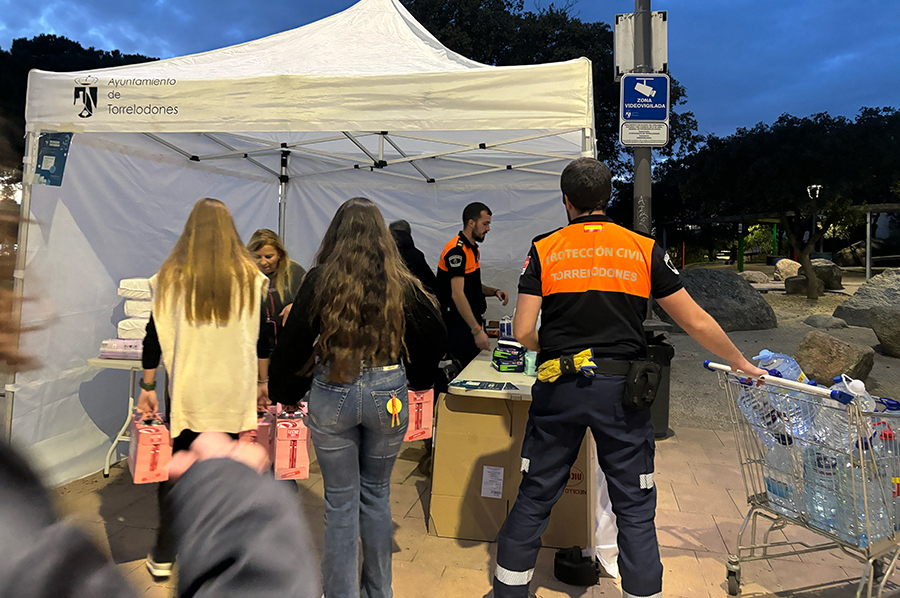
131, 330
136, 292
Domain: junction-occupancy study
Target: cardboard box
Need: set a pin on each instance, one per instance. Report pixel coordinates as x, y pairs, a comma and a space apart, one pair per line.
421, 415
264, 434
477, 460
292, 441
149, 451
473, 440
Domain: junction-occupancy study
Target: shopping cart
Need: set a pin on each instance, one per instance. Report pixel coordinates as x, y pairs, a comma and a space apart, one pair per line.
811, 457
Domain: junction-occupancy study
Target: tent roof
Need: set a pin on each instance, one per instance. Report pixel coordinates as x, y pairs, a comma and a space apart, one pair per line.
372, 37
370, 67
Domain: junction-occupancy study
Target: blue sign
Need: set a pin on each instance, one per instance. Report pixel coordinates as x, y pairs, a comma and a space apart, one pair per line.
53, 148
645, 97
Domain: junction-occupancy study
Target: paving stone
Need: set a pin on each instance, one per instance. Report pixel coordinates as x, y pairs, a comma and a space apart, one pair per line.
706, 499
416, 580
719, 476
690, 531
448, 552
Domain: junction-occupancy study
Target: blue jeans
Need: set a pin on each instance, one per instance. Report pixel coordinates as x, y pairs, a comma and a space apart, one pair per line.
357, 441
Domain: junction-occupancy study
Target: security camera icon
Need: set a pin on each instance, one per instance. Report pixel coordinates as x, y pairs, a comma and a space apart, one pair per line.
644, 89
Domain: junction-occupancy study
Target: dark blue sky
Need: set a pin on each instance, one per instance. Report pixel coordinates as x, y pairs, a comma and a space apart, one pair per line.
742, 61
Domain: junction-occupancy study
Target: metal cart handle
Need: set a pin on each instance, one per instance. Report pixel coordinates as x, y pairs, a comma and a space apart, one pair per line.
837, 395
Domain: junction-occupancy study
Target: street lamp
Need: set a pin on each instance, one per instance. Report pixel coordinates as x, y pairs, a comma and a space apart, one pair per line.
813, 192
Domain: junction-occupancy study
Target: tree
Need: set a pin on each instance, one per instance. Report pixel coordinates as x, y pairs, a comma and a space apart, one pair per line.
768, 169
49, 53
502, 33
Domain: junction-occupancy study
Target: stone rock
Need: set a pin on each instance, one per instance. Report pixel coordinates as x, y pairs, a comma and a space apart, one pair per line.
883, 290
824, 321
786, 268
796, 285
885, 322
826, 271
728, 298
823, 357
754, 276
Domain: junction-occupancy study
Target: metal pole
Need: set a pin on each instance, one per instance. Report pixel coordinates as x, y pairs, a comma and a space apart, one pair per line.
774, 238
282, 192
643, 48
19, 274
868, 245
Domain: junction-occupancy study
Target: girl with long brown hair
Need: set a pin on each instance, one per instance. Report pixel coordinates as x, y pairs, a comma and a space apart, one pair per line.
205, 325
367, 330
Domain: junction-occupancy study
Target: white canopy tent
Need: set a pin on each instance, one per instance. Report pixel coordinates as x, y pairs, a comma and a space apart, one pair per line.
283, 130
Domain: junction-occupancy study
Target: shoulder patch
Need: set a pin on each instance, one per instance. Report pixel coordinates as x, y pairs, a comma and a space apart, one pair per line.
668, 262
525, 267
455, 261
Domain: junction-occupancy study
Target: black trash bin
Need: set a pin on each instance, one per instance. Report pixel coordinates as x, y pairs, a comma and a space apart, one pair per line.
661, 352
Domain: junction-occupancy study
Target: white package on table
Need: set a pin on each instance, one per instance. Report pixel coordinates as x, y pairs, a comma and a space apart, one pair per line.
135, 288
136, 308
133, 328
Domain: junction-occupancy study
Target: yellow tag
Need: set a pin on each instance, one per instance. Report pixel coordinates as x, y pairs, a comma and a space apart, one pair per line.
394, 406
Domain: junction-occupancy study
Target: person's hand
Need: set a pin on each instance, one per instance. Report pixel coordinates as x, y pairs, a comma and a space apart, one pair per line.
482, 341
285, 312
262, 396
747, 367
147, 403
216, 445
502, 296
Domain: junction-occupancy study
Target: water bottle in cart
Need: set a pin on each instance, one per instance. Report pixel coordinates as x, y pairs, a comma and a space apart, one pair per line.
888, 456
833, 425
820, 488
753, 402
779, 478
797, 410
861, 478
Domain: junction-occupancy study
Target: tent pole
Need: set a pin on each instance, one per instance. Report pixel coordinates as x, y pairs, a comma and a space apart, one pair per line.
28, 164
282, 192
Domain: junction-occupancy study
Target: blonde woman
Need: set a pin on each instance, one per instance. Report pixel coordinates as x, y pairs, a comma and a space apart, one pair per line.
285, 276
205, 324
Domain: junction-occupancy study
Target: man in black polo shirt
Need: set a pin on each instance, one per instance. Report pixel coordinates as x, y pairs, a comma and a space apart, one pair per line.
591, 281
460, 290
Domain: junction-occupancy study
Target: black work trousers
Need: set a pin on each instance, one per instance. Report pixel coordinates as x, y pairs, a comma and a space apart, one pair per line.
560, 413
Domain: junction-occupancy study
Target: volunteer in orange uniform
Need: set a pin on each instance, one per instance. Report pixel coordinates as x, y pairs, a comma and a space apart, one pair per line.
459, 287
592, 280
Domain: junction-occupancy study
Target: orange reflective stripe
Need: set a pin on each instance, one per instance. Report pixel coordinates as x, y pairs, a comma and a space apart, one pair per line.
595, 257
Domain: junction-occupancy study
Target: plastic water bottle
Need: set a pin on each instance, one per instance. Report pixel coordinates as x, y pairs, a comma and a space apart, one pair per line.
796, 409
888, 457
869, 491
753, 402
820, 487
834, 429
779, 478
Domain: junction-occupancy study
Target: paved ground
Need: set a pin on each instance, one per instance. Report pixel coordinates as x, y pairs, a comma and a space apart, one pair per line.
701, 505
701, 497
